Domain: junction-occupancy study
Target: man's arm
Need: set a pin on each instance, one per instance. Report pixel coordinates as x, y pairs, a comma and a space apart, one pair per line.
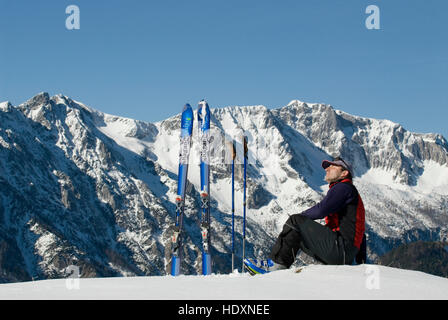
337, 197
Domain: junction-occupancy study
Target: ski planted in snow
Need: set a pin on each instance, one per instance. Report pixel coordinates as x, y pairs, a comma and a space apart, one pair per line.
184, 153
204, 140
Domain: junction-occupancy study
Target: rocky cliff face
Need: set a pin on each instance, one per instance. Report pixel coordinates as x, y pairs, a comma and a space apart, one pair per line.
80, 187
367, 143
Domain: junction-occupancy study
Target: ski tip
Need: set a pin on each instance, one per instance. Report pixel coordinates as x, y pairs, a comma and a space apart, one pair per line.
203, 114
186, 121
202, 104
187, 110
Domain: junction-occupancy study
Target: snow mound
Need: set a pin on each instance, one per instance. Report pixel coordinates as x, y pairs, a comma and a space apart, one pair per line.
312, 282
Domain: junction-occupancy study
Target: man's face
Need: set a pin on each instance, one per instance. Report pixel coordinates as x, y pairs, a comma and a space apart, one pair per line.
335, 173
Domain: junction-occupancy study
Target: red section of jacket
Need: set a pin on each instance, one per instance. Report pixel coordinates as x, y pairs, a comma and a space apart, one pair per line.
332, 220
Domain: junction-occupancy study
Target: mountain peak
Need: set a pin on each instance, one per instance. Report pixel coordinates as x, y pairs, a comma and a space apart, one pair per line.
5, 106
295, 102
42, 98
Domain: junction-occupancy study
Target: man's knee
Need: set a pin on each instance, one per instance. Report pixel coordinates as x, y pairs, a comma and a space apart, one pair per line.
296, 220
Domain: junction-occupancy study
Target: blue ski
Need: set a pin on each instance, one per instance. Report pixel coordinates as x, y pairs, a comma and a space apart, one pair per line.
204, 140
184, 153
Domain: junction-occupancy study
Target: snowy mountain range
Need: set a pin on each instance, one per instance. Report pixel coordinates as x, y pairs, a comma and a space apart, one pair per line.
97, 191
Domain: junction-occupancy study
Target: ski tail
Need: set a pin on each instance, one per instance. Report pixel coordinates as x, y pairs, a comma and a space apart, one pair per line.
175, 265
206, 263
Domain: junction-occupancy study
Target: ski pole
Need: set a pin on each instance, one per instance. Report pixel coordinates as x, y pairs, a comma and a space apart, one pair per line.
233, 203
244, 198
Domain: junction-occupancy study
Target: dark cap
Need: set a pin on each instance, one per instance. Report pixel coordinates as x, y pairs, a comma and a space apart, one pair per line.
338, 162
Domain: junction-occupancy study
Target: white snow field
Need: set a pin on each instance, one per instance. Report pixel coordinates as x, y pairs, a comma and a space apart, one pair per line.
362, 282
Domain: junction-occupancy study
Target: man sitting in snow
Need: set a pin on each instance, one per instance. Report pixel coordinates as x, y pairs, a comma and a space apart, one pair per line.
338, 242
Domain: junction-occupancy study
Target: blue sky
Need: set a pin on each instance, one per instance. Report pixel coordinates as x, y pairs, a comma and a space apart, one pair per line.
146, 59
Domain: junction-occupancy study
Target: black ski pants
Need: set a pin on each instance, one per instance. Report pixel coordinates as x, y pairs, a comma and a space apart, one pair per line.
302, 233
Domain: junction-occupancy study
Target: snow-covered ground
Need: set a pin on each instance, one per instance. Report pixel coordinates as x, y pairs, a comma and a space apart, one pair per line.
312, 282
